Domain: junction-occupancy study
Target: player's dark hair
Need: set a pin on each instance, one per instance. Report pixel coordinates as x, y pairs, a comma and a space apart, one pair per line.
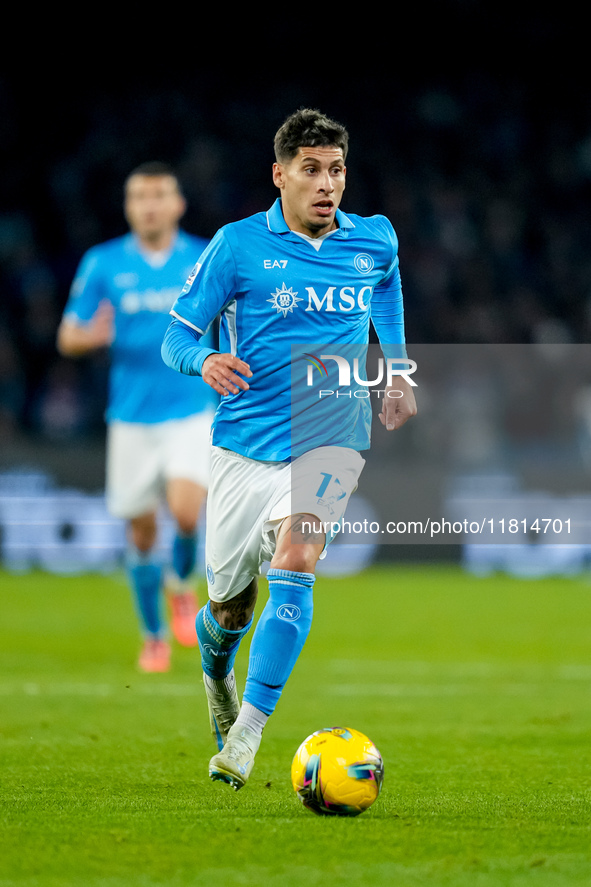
153, 168
308, 128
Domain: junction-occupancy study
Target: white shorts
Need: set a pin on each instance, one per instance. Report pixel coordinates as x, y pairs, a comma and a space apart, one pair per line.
142, 458
248, 500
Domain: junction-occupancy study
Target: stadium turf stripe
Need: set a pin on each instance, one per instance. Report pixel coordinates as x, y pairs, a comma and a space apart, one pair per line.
519, 685
476, 670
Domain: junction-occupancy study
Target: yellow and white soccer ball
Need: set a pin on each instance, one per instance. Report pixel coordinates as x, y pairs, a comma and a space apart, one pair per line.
337, 772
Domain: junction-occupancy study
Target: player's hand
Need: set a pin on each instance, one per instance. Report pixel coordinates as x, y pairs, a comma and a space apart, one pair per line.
398, 404
101, 328
220, 371
76, 339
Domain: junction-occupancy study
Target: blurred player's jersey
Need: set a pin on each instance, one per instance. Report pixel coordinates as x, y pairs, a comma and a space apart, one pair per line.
142, 286
277, 290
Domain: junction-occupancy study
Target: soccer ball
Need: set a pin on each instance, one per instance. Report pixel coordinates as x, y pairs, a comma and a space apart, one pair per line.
337, 772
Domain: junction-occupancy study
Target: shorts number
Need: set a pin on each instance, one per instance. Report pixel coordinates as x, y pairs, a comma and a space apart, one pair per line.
322, 488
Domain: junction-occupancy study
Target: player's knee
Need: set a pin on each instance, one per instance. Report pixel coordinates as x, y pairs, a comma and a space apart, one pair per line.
185, 514
298, 558
299, 545
142, 532
186, 521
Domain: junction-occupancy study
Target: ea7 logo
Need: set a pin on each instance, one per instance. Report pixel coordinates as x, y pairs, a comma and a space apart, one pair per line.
274, 263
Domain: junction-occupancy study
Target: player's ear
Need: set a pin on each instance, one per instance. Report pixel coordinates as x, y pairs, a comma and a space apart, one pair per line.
278, 175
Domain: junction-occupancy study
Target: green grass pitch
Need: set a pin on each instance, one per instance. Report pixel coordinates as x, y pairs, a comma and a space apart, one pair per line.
476, 691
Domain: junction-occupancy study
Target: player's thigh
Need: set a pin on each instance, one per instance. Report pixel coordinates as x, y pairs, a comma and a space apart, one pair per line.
133, 470
321, 483
239, 498
185, 499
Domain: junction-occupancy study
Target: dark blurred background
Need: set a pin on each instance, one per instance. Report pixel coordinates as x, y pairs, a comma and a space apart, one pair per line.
470, 129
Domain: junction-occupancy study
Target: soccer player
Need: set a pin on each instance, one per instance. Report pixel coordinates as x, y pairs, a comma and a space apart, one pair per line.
158, 422
303, 272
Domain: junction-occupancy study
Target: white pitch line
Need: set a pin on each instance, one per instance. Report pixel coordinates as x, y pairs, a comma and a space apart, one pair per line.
517, 685
462, 670
32, 688
431, 690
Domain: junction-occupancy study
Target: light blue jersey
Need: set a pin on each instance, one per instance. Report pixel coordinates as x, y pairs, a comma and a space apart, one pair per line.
275, 289
142, 288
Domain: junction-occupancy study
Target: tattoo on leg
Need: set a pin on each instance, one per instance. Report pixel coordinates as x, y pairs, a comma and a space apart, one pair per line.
306, 528
236, 613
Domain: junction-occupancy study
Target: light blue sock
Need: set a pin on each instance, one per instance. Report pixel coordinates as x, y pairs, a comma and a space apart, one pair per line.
145, 577
218, 646
184, 553
279, 637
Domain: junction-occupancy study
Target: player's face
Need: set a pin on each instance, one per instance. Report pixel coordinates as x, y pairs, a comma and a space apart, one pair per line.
311, 186
153, 206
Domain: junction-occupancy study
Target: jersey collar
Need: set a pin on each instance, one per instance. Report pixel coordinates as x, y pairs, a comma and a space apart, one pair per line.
278, 225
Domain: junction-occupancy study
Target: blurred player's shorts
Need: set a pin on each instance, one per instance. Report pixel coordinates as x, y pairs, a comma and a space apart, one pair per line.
142, 458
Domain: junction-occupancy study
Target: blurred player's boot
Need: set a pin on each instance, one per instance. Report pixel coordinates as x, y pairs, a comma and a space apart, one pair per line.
184, 608
223, 704
233, 764
155, 656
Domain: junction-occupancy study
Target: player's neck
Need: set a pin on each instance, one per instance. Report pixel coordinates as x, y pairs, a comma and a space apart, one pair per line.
312, 233
157, 242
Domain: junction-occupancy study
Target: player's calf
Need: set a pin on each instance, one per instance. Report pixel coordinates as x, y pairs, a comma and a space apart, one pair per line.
279, 637
218, 647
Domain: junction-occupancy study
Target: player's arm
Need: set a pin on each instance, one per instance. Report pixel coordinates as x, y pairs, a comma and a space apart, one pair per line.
182, 351
207, 292
387, 315
75, 339
88, 320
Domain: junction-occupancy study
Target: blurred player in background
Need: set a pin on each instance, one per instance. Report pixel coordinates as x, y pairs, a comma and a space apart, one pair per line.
302, 272
158, 422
